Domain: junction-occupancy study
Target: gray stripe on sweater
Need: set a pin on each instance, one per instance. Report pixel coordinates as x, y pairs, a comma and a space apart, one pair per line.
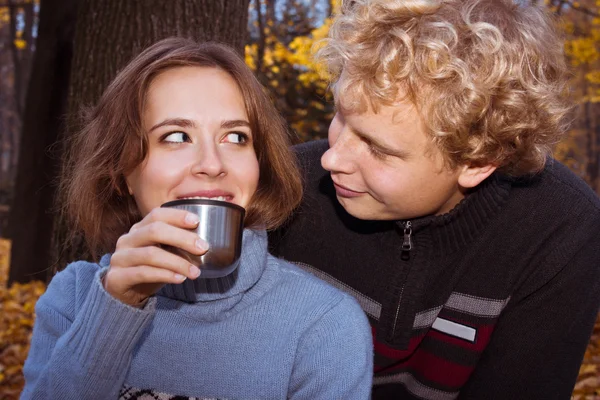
425, 319
478, 306
415, 387
369, 306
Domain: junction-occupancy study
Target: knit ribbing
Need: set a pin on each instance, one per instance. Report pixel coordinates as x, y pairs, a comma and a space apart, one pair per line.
270, 331
484, 292
106, 330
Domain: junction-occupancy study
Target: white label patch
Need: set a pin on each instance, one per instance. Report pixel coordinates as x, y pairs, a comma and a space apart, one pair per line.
454, 329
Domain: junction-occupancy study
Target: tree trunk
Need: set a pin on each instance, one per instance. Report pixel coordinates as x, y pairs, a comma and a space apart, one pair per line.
30, 220
111, 32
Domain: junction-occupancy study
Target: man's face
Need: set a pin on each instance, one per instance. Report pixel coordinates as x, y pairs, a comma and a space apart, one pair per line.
384, 167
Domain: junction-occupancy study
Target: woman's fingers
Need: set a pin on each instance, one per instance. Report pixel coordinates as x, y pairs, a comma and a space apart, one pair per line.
134, 285
139, 266
160, 232
145, 274
155, 257
172, 216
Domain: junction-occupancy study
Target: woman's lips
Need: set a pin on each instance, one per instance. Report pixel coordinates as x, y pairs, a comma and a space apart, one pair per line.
208, 194
345, 192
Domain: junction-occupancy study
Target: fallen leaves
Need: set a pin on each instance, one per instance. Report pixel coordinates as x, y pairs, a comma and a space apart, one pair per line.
588, 382
17, 317
16, 324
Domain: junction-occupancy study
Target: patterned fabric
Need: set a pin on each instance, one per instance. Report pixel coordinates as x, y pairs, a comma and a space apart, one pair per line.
472, 308
130, 393
267, 331
460, 330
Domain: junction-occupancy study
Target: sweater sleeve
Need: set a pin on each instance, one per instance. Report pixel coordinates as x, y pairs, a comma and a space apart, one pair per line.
81, 349
539, 342
334, 359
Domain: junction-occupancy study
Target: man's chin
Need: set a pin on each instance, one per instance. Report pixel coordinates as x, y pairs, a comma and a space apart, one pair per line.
363, 211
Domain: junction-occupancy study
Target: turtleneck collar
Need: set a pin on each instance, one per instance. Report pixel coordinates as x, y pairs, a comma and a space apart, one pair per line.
455, 229
252, 263
213, 299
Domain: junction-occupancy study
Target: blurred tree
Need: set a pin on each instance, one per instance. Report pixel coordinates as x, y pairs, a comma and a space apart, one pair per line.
30, 219
282, 34
18, 21
580, 21
108, 34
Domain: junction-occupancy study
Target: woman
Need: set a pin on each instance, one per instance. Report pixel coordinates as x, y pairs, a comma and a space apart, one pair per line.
188, 120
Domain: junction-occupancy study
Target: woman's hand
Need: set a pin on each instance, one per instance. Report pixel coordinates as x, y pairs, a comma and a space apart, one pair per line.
139, 267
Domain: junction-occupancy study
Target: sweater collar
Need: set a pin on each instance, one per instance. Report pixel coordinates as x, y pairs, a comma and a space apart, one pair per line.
453, 230
252, 263
438, 238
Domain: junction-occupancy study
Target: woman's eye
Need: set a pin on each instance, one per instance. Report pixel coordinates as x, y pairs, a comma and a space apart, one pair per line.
236, 137
176, 137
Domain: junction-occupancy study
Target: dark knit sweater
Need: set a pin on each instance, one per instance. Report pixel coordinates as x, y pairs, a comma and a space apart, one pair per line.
494, 300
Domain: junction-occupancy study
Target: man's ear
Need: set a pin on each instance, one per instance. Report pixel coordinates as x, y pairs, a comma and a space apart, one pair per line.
472, 176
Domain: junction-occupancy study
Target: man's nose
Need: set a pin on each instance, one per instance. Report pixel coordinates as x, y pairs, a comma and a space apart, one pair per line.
339, 157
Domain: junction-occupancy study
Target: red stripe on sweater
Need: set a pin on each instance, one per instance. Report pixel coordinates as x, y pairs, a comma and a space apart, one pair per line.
389, 352
435, 369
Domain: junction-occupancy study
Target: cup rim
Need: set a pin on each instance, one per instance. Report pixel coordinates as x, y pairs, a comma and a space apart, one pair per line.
201, 202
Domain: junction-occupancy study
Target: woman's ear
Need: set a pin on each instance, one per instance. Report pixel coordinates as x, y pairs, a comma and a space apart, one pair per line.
129, 189
472, 176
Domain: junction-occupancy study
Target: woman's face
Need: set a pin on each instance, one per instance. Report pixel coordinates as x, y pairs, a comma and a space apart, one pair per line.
199, 141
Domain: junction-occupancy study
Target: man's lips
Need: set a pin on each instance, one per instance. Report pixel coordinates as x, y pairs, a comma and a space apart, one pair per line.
343, 191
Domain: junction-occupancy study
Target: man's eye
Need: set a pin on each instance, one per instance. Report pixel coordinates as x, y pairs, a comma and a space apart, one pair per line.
176, 137
236, 137
377, 153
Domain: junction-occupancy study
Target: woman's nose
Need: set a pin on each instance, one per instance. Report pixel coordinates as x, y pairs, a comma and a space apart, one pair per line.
209, 162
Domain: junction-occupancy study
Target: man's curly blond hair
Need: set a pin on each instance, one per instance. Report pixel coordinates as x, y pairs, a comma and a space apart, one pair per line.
488, 77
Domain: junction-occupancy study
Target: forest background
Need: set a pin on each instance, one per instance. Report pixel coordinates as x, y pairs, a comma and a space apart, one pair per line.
277, 44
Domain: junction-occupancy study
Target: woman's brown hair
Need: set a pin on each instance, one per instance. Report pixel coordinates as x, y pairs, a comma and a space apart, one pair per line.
112, 143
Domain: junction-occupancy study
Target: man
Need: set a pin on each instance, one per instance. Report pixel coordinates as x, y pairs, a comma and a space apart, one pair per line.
435, 203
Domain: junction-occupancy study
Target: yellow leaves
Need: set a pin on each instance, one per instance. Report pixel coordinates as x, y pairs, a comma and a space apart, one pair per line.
250, 52
567, 26
588, 381
582, 50
588, 369
20, 44
4, 261
16, 323
4, 15
571, 151
336, 5
593, 77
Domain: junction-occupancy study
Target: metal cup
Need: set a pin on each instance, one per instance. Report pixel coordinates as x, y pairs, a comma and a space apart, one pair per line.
221, 225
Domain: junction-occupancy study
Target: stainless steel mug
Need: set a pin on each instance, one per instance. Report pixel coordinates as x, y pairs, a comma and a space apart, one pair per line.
221, 225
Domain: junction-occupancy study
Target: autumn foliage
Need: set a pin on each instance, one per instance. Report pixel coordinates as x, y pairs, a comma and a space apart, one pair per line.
16, 323
280, 52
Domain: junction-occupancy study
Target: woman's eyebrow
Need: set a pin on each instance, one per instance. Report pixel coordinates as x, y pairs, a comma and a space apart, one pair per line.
182, 122
235, 123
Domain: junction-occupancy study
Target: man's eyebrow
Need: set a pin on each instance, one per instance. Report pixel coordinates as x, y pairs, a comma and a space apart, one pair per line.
235, 123
181, 122
372, 141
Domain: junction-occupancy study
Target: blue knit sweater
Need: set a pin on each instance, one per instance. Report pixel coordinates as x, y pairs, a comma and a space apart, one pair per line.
268, 331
